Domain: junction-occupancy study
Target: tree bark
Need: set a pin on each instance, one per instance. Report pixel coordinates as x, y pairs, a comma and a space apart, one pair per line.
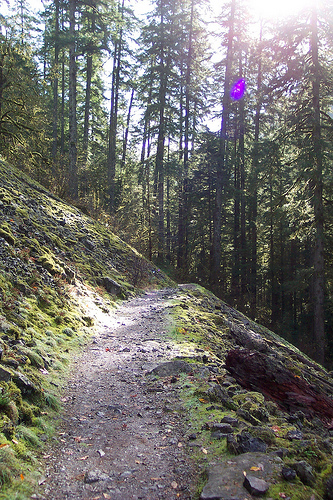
253, 205
111, 160
125, 142
221, 167
73, 173
317, 186
260, 372
55, 83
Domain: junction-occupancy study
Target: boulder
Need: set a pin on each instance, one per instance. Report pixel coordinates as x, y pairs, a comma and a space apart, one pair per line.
5, 375
304, 472
257, 487
226, 479
110, 285
27, 387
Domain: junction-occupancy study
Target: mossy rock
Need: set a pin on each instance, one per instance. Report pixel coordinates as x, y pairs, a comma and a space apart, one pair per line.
6, 234
266, 434
49, 263
248, 399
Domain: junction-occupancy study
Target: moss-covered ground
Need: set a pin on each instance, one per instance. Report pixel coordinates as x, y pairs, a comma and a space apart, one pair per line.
48, 248
201, 326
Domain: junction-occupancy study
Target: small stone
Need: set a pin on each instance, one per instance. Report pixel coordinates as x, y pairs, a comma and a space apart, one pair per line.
232, 445
247, 443
24, 384
5, 375
92, 477
295, 435
230, 420
218, 435
328, 485
304, 472
288, 473
255, 486
224, 428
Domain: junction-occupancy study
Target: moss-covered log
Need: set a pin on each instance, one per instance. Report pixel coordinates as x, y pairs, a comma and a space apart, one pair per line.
260, 372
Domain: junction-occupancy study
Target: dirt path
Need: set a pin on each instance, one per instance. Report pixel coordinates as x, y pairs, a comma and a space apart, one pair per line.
122, 435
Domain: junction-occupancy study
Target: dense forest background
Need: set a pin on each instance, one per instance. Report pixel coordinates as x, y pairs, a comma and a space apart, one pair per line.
205, 142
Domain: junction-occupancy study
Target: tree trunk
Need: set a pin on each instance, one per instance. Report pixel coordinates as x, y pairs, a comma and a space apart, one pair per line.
73, 174
87, 105
253, 208
125, 142
317, 187
55, 83
161, 140
263, 373
182, 258
221, 167
111, 160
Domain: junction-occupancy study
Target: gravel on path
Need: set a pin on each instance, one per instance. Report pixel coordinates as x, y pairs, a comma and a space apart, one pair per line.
121, 434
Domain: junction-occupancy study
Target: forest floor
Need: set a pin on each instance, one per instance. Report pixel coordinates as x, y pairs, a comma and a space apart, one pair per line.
121, 434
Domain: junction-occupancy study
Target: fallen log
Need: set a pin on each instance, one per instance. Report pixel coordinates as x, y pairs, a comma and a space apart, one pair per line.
259, 372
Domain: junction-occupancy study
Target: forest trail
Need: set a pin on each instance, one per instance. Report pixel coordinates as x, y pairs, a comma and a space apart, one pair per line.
121, 434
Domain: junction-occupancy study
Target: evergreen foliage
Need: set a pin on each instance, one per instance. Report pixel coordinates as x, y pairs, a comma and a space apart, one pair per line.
133, 118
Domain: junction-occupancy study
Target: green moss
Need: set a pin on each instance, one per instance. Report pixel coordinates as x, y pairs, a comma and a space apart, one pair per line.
29, 435
49, 263
35, 359
8, 464
295, 491
6, 234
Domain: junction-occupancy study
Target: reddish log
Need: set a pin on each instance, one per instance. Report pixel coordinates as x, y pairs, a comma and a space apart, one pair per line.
259, 372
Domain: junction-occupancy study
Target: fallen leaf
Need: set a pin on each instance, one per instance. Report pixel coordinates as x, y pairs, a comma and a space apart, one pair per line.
105, 495
182, 330
80, 477
14, 441
101, 452
3, 445
204, 451
202, 400
84, 458
180, 445
77, 438
255, 468
174, 485
22, 477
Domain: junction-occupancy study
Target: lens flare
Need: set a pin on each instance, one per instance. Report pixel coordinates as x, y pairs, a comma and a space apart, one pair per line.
238, 90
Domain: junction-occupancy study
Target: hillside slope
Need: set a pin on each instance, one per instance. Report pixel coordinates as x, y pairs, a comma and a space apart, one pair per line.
50, 255
48, 248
